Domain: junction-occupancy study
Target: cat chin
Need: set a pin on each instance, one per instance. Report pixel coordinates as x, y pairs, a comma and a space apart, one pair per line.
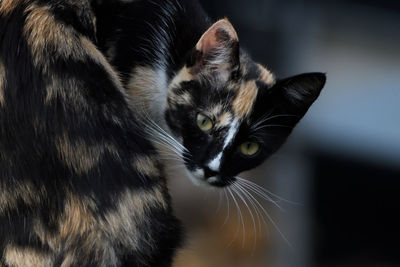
197, 178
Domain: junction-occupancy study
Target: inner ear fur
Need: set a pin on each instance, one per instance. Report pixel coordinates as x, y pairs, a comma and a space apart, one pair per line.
218, 47
220, 34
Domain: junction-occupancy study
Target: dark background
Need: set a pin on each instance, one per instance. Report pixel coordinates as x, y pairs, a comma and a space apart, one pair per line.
342, 163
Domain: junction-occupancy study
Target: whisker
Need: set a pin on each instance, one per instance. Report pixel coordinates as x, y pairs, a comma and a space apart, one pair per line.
175, 167
271, 125
173, 155
168, 135
170, 157
273, 223
228, 208
166, 145
160, 136
262, 119
256, 209
267, 191
244, 201
219, 202
258, 206
240, 214
263, 196
169, 153
240, 192
267, 118
157, 138
238, 225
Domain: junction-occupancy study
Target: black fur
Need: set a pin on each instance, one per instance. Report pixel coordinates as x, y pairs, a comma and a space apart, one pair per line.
131, 28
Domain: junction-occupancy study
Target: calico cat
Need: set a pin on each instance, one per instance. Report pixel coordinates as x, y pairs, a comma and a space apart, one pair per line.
190, 76
80, 185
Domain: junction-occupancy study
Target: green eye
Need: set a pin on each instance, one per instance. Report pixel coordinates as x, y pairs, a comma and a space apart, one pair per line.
205, 123
249, 148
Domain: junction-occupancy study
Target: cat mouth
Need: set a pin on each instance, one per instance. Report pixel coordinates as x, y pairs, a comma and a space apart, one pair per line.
198, 177
204, 176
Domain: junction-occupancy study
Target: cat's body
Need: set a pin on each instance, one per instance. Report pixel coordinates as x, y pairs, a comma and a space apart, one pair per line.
147, 42
182, 70
79, 183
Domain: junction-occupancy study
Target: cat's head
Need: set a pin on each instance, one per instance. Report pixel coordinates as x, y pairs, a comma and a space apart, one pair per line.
230, 112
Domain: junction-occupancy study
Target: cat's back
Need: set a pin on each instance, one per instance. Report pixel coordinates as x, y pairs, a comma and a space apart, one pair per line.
148, 32
79, 183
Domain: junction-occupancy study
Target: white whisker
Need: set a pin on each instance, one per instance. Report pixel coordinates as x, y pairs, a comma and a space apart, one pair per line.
240, 192
228, 208
161, 137
238, 225
256, 209
219, 202
240, 214
272, 222
263, 196
271, 125
267, 191
267, 117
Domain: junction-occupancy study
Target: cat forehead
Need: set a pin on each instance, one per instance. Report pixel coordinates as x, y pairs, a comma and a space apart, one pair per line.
235, 95
253, 75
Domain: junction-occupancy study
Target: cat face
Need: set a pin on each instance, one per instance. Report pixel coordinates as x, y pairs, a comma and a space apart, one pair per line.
229, 112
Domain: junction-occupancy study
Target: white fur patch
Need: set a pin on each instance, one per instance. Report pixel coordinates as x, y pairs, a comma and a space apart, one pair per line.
197, 177
231, 133
147, 91
212, 179
215, 163
198, 173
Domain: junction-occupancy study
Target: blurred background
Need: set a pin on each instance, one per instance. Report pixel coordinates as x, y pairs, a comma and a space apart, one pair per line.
341, 166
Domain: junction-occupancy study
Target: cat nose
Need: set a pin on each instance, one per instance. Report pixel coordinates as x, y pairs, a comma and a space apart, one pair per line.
209, 173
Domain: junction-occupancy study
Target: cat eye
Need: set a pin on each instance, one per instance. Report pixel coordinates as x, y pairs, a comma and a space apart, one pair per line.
204, 123
249, 148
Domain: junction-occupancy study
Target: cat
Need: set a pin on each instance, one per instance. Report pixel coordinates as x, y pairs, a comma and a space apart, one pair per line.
80, 183
227, 113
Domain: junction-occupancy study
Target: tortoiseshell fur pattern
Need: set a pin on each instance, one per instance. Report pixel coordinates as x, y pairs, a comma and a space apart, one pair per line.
80, 185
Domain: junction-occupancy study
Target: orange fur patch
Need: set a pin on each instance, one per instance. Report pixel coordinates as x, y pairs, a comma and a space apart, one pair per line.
25, 192
45, 35
7, 6
146, 165
184, 75
78, 227
266, 76
80, 156
244, 100
20, 257
131, 205
77, 220
224, 119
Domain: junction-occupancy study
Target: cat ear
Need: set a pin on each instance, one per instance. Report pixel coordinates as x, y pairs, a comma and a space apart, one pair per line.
300, 91
218, 47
